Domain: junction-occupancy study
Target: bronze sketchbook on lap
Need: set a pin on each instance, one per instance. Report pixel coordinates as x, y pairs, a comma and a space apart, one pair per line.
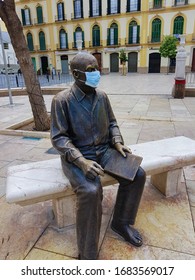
125, 167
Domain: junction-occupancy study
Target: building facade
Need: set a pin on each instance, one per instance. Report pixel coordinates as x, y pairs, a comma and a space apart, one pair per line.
10, 57
53, 29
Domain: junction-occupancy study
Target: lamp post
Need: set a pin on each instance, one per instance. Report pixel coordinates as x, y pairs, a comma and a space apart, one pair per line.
5, 65
180, 81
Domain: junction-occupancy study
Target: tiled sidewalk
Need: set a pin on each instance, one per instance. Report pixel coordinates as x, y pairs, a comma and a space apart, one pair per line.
167, 224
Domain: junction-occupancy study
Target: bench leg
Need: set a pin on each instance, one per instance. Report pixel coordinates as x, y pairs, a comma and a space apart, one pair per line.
168, 182
64, 210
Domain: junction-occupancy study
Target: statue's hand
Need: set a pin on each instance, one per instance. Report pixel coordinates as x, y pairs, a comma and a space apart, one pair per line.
122, 149
90, 168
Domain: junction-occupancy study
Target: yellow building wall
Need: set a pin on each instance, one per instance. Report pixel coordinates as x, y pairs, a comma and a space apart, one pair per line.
144, 18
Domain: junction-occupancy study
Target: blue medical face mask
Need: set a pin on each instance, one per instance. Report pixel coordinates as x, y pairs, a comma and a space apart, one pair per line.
92, 78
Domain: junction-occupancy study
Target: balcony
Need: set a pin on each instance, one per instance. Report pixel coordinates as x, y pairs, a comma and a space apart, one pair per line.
59, 48
179, 3
60, 19
39, 21
95, 46
132, 42
115, 44
76, 17
157, 5
156, 40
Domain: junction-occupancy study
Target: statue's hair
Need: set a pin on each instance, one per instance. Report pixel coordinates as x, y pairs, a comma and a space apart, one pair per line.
79, 61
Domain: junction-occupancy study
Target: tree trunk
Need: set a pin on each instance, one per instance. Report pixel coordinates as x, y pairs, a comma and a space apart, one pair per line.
15, 30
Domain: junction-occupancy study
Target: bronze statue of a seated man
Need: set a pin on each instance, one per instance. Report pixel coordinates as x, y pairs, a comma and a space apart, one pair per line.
84, 130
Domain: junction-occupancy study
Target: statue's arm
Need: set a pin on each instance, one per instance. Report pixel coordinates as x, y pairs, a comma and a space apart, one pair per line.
59, 135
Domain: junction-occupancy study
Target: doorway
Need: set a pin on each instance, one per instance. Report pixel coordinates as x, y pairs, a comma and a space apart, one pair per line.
132, 62
154, 63
98, 56
114, 62
193, 61
64, 64
44, 64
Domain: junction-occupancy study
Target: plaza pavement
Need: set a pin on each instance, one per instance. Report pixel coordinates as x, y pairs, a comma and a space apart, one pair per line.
145, 111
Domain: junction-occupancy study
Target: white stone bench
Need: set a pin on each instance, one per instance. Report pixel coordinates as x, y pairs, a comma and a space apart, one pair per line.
44, 180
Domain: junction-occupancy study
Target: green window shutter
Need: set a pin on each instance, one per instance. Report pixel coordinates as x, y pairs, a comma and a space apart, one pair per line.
178, 25
30, 42
138, 34
156, 30
39, 15
130, 34
42, 41
108, 36
83, 38
119, 6
90, 8
100, 7
128, 5
81, 9
108, 7
74, 36
116, 35
96, 36
23, 17
138, 5
66, 40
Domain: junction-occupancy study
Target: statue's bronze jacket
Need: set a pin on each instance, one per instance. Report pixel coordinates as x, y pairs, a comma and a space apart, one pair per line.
79, 128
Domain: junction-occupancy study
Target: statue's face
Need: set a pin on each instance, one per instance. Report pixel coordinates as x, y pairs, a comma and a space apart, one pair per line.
84, 63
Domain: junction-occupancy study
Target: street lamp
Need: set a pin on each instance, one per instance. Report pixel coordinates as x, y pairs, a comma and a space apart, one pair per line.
8, 64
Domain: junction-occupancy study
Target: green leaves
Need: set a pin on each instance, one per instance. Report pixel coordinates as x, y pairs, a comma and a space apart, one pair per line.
168, 47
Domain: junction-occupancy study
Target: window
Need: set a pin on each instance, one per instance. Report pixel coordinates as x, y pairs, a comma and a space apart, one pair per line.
6, 46
156, 30
181, 2
96, 35
78, 9
112, 35
178, 25
26, 20
39, 14
78, 35
95, 8
157, 4
134, 32
60, 8
30, 42
42, 41
113, 6
63, 39
133, 5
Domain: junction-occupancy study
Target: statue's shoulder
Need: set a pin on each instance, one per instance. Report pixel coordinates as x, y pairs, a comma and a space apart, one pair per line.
63, 95
101, 93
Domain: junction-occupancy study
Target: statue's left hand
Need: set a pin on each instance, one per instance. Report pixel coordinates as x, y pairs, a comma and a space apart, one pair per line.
122, 149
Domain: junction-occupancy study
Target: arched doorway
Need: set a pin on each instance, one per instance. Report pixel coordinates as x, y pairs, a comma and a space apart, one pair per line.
98, 56
132, 62
44, 64
154, 63
114, 62
64, 64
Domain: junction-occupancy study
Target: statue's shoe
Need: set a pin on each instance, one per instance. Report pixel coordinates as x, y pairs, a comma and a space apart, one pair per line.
129, 234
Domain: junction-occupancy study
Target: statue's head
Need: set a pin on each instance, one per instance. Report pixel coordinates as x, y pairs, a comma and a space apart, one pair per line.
84, 68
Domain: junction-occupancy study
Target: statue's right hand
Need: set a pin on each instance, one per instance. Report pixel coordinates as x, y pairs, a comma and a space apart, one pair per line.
90, 168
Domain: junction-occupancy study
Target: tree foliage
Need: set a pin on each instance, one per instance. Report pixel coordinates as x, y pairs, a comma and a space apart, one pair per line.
168, 47
14, 27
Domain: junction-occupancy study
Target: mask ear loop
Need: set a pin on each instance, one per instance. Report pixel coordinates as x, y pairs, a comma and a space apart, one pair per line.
77, 75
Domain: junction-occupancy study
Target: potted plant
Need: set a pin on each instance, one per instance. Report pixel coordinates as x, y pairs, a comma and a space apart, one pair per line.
123, 59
